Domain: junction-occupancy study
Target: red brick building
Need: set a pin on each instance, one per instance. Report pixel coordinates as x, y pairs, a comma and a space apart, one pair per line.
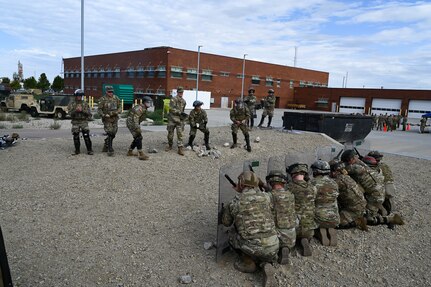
157, 71
412, 103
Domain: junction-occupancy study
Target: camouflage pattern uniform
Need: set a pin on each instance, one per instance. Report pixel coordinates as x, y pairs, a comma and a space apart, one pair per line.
423, 124
268, 109
176, 119
256, 235
326, 213
198, 120
109, 108
134, 118
250, 101
285, 216
80, 113
305, 195
239, 116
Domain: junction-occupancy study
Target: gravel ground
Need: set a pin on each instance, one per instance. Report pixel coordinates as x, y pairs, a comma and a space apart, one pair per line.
117, 221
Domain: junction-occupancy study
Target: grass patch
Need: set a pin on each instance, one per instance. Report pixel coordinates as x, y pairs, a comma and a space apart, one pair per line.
23, 116
157, 117
55, 125
17, 126
2, 126
2, 117
11, 118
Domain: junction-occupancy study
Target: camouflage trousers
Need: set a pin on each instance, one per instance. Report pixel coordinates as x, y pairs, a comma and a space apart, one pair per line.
134, 129
179, 126
347, 216
203, 129
242, 127
375, 198
80, 127
111, 126
327, 216
287, 237
306, 226
268, 112
264, 249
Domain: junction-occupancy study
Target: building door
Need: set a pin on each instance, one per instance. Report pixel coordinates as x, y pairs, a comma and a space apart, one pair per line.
334, 107
352, 105
224, 102
386, 106
418, 107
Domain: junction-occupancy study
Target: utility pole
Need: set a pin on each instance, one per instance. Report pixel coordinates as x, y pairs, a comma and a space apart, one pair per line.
197, 72
243, 70
82, 45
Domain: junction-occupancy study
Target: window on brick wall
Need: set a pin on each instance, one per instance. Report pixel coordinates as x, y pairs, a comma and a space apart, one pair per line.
117, 73
150, 72
176, 72
191, 74
207, 75
131, 72
161, 72
255, 80
269, 82
224, 74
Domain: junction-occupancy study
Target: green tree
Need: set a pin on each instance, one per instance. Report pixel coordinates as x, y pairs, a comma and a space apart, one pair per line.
58, 84
15, 85
43, 82
5, 80
30, 83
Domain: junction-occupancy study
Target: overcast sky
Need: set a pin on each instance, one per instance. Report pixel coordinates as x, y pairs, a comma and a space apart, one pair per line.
373, 43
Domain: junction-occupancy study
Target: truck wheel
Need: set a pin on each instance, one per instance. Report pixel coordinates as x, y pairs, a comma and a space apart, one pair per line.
34, 113
60, 114
3, 108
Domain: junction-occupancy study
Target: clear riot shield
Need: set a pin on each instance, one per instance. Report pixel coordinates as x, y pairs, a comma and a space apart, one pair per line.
328, 153
227, 193
5, 276
299, 157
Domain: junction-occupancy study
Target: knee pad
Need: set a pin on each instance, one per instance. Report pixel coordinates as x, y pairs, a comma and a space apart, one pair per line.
76, 135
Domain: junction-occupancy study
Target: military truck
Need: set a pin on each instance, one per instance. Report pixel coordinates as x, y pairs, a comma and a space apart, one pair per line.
52, 106
18, 101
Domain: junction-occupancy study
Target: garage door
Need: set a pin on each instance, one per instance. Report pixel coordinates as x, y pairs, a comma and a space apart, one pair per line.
352, 105
418, 107
386, 106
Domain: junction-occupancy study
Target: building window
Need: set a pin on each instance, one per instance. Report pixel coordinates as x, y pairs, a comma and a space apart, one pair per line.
224, 74
255, 80
150, 72
66, 74
160, 92
207, 75
177, 72
269, 81
109, 73
239, 76
161, 72
117, 73
278, 83
192, 74
77, 74
130, 72
291, 84
140, 72
88, 74
94, 74
102, 73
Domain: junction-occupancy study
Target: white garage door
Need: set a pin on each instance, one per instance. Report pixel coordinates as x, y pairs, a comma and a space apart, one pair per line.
418, 107
386, 106
352, 105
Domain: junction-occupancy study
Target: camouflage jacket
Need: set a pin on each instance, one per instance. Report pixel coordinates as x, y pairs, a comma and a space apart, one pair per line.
79, 111
198, 117
250, 101
109, 106
351, 194
326, 213
284, 208
136, 115
369, 180
387, 172
305, 195
270, 102
177, 106
250, 211
239, 115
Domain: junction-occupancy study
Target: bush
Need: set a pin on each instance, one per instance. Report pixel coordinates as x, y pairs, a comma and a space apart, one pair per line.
2, 126
55, 126
2, 117
18, 126
23, 116
11, 118
96, 116
157, 117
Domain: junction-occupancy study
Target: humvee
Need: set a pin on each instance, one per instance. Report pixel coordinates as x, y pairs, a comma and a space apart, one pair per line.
18, 101
53, 105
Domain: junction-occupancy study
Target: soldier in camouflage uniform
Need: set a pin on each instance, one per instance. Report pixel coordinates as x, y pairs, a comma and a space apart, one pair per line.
256, 237
176, 118
198, 120
239, 115
351, 200
268, 109
109, 107
373, 185
136, 115
423, 124
80, 112
284, 213
388, 180
326, 214
250, 102
305, 195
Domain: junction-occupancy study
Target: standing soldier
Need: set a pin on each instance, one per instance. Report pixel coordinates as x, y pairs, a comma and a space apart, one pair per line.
326, 215
380, 122
284, 213
404, 123
269, 105
80, 113
239, 115
250, 101
109, 108
136, 115
176, 118
423, 124
198, 120
305, 195
256, 237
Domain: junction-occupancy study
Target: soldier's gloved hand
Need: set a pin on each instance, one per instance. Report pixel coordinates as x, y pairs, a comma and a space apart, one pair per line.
183, 116
197, 125
106, 116
113, 114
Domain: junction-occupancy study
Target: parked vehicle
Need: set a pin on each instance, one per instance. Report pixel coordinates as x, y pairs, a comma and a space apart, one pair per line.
53, 105
18, 101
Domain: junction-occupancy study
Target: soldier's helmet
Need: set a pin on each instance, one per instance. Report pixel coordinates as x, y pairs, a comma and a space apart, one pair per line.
251, 89
109, 88
147, 101
79, 93
297, 168
336, 165
180, 89
271, 91
248, 178
376, 154
348, 155
239, 104
276, 176
321, 167
369, 160
197, 103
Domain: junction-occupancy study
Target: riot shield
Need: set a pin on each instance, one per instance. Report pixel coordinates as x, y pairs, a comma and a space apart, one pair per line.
5, 277
328, 153
228, 177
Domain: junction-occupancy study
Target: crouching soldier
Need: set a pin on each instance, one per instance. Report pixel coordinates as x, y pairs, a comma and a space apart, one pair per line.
136, 115
256, 237
80, 113
198, 121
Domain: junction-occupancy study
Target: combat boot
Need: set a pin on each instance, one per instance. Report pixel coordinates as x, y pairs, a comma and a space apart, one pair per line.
394, 218
332, 237
191, 139
105, 146
361, 223
283, 256
130, 152
268, 275
88, 145
269, 121
168, 147
110, 149
207, 141
261, 122
247, 141
180, 150
235, 139
77, 145
322, 234
245, 264
142, 155
305, 247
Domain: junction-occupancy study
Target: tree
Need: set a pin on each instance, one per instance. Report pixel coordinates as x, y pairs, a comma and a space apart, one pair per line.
15, 85
58, 84
30, 83
5, 80
43, 82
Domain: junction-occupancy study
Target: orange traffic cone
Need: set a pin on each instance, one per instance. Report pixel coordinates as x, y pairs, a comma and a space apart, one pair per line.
385, 128
408, 127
